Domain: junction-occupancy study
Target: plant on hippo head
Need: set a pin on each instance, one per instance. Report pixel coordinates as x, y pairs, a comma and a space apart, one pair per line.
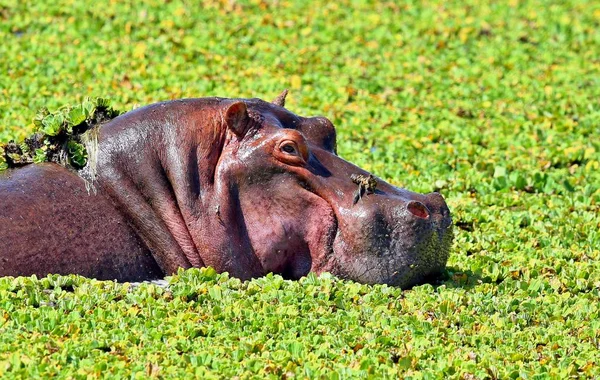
59, 135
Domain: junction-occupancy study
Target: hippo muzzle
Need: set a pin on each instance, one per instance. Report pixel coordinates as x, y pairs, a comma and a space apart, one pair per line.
390, 235
392, 239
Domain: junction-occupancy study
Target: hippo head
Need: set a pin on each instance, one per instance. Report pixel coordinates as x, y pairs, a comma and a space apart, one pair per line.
305, 209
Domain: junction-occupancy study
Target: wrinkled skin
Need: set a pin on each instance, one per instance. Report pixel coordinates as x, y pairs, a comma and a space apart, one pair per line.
244, 186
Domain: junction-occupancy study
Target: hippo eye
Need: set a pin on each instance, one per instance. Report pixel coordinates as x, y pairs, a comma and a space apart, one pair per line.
292, 151
289, 148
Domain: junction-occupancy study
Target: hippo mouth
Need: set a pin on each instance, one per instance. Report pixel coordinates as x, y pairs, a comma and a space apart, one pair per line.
399, 246
400, 264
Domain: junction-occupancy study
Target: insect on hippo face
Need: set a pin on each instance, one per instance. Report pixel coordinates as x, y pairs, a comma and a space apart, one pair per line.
299, 204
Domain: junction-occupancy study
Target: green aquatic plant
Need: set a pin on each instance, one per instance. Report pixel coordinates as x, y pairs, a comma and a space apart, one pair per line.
63, 136
493, 104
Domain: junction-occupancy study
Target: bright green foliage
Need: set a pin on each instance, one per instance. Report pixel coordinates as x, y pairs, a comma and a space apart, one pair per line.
77, 154
58, 135
52, 125
494, 104
208, 325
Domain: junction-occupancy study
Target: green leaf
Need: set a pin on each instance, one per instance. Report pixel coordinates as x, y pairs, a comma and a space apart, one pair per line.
77, 115
40, 155
77, 154
52, 124
568, 186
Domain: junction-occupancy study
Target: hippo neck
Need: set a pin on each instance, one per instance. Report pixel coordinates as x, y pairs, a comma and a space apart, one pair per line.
156, 164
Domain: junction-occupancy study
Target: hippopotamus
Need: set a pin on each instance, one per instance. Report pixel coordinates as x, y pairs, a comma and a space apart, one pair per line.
242, 185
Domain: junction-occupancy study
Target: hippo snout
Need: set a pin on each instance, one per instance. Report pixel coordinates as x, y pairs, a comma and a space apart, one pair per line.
395, 238
440, 212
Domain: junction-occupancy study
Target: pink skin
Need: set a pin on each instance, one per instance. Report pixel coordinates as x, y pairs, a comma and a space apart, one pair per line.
244, 186
290, 228
296, 201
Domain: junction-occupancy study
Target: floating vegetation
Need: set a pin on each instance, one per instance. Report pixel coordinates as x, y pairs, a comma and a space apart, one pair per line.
66, 136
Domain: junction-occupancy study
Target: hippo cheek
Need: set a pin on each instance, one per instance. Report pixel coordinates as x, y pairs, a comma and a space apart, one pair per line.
399, 247
280, 247
289, 230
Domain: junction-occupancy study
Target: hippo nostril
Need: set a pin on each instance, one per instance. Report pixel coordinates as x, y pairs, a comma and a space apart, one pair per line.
418, 209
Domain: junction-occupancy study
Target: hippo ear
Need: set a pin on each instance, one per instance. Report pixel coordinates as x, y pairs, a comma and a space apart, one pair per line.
280, 99
237, 119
